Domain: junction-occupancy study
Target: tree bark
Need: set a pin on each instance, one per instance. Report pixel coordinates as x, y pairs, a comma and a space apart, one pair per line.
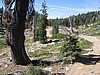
34, 28
18, 53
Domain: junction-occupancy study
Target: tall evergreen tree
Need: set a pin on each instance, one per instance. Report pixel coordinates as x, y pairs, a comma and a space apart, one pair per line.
43, 22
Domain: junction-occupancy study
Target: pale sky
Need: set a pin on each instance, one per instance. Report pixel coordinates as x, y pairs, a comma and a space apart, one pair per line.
65, 8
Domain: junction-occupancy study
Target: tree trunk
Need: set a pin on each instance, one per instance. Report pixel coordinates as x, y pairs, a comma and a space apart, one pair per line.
34, 28
18, 53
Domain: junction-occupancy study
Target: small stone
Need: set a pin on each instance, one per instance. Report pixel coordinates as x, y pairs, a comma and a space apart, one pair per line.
6, 66
92, 71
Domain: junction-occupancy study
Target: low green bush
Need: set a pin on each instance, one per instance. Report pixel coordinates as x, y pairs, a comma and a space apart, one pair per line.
3, 56
2, 44
35, 70
84, 44
58, 36
39, 53
93, 30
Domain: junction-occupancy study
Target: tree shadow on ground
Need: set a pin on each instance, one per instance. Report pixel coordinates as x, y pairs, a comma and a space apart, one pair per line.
84, 59
89, 59
41, 63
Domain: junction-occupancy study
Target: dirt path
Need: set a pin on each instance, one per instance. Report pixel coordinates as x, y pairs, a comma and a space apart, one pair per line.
88, 69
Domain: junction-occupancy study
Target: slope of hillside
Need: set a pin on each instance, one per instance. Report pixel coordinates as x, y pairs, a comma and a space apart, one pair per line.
93, 30
36, 51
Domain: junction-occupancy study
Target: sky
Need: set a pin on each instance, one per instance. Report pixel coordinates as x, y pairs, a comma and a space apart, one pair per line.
65, 8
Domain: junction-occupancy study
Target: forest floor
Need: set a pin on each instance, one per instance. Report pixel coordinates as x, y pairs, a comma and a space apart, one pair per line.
90, 64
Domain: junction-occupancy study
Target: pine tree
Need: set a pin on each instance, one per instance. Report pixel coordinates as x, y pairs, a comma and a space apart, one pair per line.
43, 22
70, 51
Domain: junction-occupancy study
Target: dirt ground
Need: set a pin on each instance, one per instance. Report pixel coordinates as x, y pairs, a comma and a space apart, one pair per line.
92, 63
88, 66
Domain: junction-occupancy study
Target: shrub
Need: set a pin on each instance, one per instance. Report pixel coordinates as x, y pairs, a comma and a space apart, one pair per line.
70, 50
35, 70
2, 44
3, 56
39, 53
58, 36
84, 44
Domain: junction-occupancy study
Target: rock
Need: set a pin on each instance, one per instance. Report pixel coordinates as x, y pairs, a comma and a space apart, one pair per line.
92, 71
55, 40
9, 74
67, 68
6, 65
52, 43
1, 54
49, 69
89, 49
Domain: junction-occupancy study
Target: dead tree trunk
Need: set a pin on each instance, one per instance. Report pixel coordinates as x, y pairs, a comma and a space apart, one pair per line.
19, 56
34, 28
71, 27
